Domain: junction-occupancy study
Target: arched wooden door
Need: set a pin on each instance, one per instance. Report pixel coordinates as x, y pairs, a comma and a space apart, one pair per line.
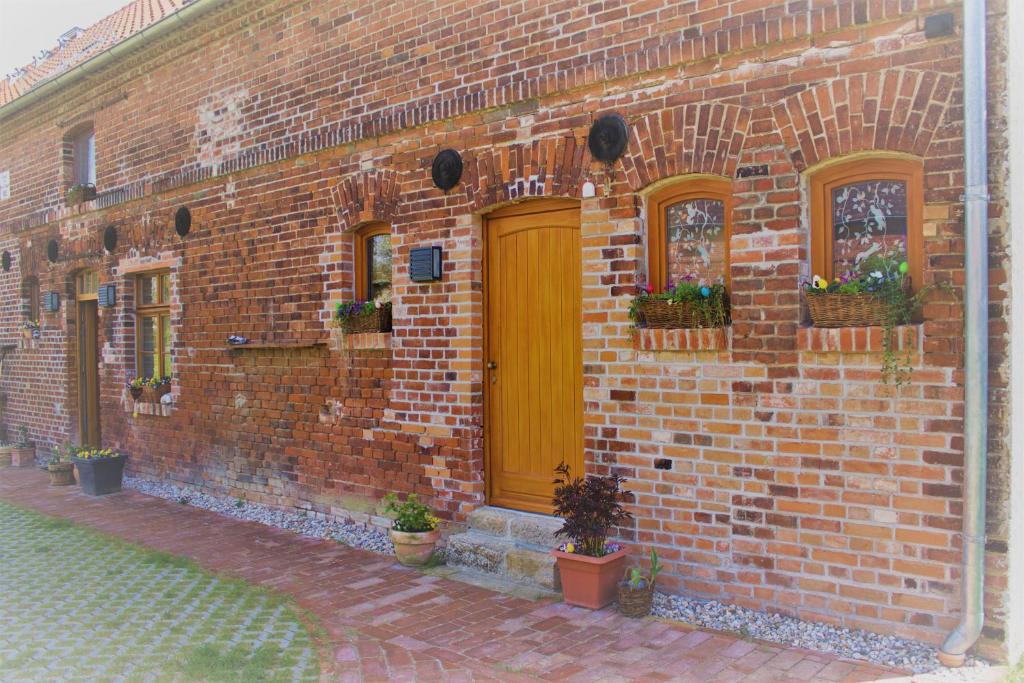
533, 351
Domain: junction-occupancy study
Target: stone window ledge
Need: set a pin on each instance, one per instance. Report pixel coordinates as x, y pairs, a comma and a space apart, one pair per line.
856, 339
148, 408
364, 341
704, 339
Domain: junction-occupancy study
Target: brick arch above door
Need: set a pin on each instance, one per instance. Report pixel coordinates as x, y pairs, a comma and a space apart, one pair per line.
898, 110
553, 167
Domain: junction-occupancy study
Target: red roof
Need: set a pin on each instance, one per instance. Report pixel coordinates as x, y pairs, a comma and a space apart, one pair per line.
82, 45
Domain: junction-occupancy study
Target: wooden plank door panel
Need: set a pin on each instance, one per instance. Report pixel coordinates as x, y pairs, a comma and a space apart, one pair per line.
534, 391
88, 374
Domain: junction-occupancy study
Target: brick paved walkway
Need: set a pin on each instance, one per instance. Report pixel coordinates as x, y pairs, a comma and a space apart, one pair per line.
385, 622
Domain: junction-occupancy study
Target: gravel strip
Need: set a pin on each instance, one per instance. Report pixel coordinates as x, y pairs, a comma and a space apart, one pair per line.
346, 531
854, 644
890, 651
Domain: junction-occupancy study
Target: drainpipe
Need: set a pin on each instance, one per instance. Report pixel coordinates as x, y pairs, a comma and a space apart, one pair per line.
954, 649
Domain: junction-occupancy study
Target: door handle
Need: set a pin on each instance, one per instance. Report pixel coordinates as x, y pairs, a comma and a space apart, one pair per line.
492, 365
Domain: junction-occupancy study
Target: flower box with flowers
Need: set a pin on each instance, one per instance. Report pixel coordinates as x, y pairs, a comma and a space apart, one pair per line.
690, 303
30, 329
354, 317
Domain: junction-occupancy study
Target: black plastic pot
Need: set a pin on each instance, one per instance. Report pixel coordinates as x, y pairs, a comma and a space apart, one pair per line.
99, 476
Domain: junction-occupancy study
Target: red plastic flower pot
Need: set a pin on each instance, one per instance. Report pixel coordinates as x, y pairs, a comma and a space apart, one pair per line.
590, 581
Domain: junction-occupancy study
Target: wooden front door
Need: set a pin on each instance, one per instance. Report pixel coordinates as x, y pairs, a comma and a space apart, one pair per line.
88, 374
533, 351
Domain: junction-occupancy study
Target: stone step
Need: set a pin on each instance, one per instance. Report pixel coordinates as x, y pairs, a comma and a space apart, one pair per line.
503, 557
522, 528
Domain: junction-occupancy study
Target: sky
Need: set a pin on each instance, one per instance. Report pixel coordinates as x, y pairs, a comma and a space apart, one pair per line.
30, 26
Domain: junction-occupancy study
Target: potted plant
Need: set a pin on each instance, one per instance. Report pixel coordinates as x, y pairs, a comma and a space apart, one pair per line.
877, 293
374, 315
690, 303
158, 386
23, 453
414, 531
136, 386
30, 329
78, 194
60, 467
99, 470
636, 591
589, 565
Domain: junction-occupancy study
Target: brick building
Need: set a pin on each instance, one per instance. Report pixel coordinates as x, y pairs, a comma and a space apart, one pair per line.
258, 161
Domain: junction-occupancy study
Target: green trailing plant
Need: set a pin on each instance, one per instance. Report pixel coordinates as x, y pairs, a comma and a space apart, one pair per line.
589, 508
410, 515
710, 301
884, 276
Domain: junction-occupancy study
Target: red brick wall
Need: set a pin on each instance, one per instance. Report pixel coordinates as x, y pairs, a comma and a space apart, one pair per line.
800, 483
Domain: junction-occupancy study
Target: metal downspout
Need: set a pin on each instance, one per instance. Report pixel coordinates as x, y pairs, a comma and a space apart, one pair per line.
954, 649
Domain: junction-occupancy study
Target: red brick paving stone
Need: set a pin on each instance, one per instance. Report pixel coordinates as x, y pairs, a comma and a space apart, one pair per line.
386, 622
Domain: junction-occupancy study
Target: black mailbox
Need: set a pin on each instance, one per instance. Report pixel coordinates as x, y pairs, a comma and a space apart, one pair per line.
425, 264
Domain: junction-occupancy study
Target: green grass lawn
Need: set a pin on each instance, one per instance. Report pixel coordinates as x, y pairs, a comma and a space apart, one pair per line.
76, 605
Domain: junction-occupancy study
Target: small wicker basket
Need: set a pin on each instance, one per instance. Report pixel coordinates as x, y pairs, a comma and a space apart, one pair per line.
663, 314
379, 320
635, 602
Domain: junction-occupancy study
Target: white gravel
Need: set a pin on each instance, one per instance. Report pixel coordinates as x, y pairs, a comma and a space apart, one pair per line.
346, 531
854, 644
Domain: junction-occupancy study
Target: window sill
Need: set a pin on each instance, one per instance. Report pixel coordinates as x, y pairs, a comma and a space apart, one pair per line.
137, 408
701, 339
276, 345
856, 339
363, 341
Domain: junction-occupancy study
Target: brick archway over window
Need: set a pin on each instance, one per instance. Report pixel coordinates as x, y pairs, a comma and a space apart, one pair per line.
694, 138
897, 111
366, 197
554, 167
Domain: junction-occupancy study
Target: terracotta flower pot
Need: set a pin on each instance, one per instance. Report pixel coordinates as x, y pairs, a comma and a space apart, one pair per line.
23, 456
61, 474
590, 581
413, 549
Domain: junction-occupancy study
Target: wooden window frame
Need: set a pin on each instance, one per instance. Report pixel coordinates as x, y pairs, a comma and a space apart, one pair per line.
160, 311
704, 187
82, 293
361, 264
909, 171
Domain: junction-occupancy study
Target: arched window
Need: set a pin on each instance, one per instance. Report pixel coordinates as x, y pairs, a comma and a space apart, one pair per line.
864, 207
373, 261
689, 225
79, 156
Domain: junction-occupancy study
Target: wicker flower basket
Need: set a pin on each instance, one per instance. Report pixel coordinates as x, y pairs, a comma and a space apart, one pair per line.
377, 321
136, 392
635, 602
849, 310
663, 314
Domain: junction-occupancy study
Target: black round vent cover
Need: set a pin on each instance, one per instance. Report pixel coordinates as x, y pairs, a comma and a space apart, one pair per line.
110, 239
52, 250
182, 221
608, 138
5, 260
447, 169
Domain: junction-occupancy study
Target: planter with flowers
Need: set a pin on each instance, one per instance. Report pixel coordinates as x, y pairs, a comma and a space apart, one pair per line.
414, 531
690, 303
149, 388
354, 317
100, 471
589, 565
78, 194
878, 293
636, 591
30, 329
60, 467
24, 452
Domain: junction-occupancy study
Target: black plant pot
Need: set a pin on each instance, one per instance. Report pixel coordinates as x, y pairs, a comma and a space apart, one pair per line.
101, 475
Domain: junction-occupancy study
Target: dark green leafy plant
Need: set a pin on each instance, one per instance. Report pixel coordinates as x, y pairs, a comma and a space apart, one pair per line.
589, 508
411, 516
